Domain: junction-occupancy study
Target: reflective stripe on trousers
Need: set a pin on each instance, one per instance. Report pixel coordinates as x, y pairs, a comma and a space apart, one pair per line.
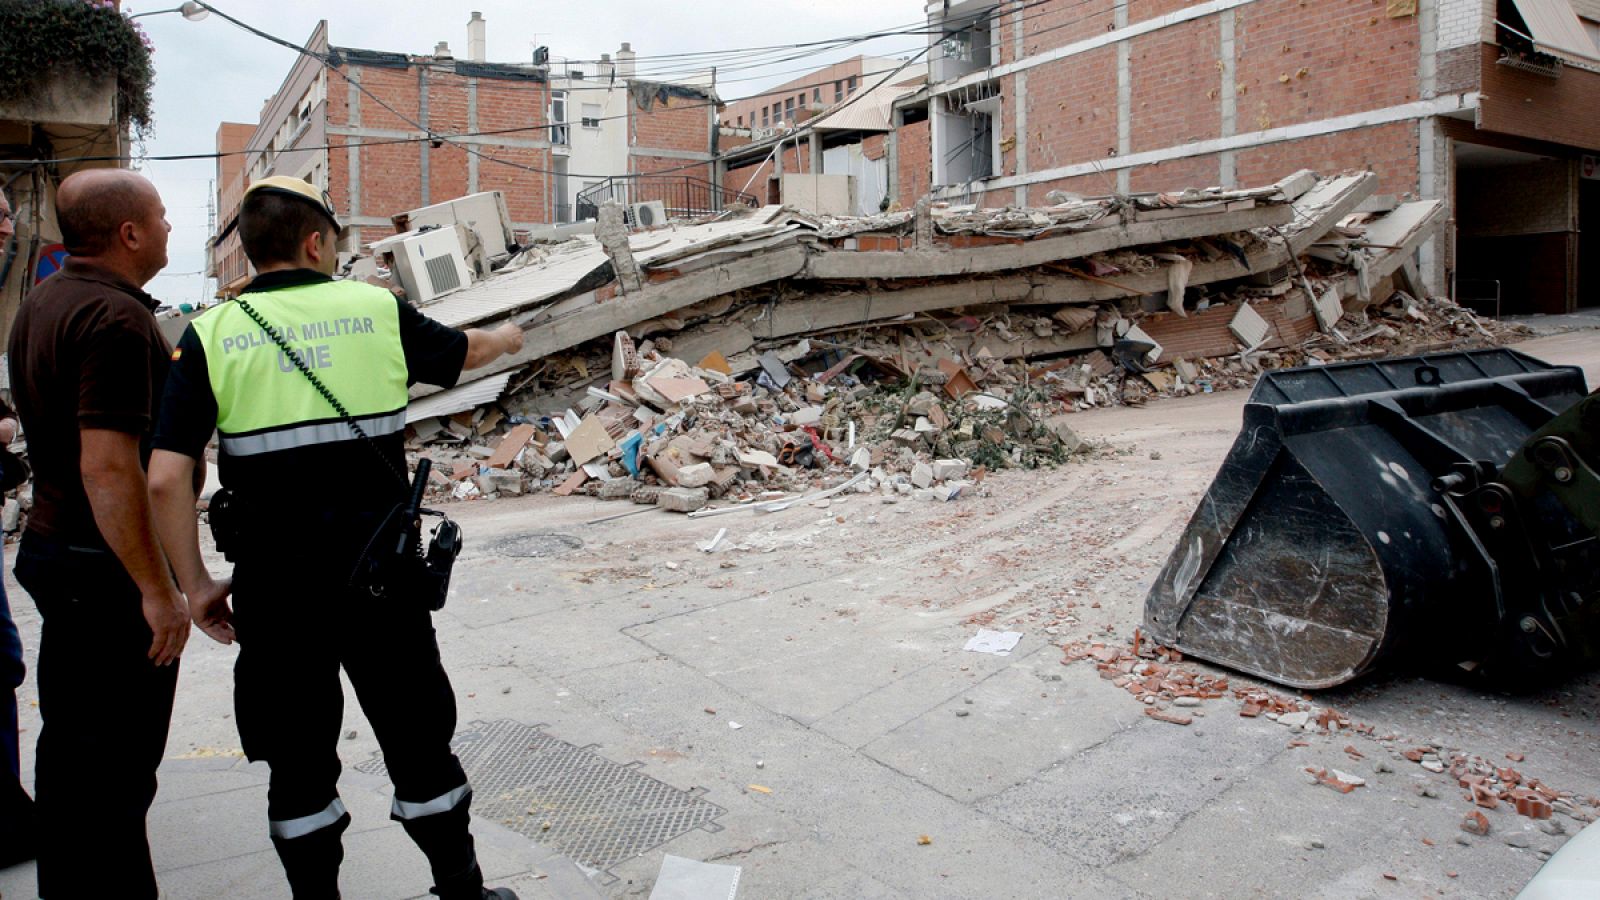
289, 829
405, 809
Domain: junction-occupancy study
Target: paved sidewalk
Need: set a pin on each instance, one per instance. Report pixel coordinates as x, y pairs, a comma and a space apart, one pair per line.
209, 831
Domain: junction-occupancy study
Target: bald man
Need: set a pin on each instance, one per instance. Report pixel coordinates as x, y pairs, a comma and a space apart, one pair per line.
88, 364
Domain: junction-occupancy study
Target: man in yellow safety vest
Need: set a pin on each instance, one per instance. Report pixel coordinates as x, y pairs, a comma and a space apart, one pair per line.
307, 491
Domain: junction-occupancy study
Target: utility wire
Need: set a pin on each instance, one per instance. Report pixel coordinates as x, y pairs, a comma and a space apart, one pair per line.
446, 137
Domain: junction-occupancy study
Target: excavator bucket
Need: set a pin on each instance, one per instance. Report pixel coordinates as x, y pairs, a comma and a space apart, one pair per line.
1333, 538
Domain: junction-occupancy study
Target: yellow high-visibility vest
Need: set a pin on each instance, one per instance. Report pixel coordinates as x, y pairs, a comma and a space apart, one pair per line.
346, 332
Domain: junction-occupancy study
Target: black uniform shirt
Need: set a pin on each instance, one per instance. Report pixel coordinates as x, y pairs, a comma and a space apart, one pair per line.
346, 475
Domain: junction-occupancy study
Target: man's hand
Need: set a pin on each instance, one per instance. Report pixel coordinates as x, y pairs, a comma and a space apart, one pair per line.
511, 336
484, 347
168, 617
208, 606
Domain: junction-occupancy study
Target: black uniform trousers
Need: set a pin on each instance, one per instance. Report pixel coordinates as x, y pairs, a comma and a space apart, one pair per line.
106, 708
297, 624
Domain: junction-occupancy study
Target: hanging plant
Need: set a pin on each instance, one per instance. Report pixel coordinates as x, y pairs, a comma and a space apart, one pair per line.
41, 39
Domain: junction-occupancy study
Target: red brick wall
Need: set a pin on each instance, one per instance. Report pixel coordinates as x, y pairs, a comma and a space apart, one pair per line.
913, 163
1062, 22
1354, 58
1176, 175
1297, 62
1176, 86
1388, 150
1552, 109
1072, 109
1095, 185
1140, 10
391, 173
794, 160
678, 123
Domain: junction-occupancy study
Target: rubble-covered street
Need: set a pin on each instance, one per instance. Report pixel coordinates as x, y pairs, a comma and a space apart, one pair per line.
807, 679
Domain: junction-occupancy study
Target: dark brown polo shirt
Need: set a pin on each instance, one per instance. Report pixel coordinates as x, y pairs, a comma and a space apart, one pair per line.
85, 352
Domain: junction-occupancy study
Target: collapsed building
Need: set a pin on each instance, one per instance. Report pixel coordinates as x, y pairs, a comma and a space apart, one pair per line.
770, 349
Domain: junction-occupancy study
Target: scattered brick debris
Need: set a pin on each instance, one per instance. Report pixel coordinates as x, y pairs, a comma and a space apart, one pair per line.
1334, 780
1161, 715
1475, 823
1515, 757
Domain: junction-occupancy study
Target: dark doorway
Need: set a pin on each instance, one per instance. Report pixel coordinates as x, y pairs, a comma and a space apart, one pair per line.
1516, 232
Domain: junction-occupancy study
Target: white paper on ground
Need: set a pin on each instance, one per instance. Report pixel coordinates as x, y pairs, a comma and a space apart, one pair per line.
999, 643
689, 879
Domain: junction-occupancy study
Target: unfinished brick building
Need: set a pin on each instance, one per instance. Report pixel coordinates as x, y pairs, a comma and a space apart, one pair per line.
1487, 103
357, 127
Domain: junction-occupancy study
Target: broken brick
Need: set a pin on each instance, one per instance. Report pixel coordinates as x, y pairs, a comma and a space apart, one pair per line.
1164, 716
1329, 779
1475, 823
1484, 797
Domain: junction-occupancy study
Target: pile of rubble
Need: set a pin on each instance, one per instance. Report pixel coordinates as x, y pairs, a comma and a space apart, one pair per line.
678, 436
771, 350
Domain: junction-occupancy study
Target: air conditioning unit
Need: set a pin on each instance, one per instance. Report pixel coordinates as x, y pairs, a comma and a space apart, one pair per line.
648, 214
430, 264
483, 212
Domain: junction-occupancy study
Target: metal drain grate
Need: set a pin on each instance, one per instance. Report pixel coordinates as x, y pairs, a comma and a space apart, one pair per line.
599, 813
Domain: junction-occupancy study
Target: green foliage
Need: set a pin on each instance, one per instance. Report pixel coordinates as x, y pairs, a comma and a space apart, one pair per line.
40, 39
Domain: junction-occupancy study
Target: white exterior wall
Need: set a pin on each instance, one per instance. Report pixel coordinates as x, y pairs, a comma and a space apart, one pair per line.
596, 152
1460, 23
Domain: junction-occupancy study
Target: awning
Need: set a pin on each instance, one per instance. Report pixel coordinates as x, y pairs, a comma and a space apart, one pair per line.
1555, 29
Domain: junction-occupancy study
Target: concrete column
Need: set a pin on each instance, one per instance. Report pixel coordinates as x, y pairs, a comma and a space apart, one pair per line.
1432, 182
1228, 175
353, 74
816, 153
422, 117
897, 120
1019, 98
1124, 99
472, 125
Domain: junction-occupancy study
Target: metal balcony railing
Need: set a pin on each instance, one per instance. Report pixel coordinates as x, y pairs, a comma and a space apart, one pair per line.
684, 196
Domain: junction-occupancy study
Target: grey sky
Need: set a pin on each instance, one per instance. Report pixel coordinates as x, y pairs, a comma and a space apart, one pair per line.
210, 71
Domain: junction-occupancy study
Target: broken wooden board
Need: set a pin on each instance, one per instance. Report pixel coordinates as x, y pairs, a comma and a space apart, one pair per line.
588, 441
505, 453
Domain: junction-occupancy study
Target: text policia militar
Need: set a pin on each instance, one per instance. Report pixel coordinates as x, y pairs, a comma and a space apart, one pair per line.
319, 357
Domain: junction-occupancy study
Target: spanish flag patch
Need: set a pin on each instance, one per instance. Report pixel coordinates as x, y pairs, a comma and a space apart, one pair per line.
177, 354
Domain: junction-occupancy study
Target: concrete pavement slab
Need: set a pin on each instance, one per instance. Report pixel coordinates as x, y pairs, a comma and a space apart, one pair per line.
1118, 798
1005, 729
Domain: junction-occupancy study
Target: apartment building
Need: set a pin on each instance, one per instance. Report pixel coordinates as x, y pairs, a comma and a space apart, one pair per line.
360, 125
833, 122
1487, 103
